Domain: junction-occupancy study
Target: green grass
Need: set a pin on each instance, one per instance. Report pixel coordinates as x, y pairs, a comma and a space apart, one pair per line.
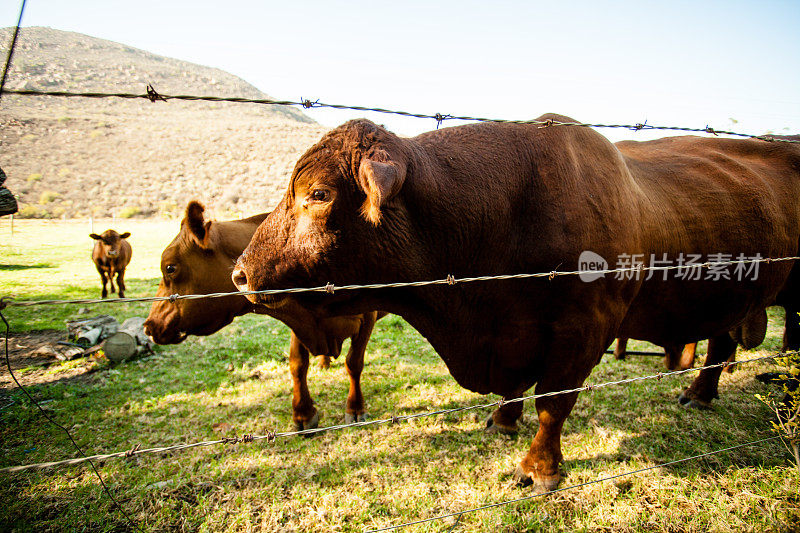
355, 479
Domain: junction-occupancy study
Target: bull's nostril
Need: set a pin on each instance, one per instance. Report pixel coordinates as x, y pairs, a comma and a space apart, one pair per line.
239, 279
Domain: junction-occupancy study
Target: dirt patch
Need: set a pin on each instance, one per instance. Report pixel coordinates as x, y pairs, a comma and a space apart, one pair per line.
33, 366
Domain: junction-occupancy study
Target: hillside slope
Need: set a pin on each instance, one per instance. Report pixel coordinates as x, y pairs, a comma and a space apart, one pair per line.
78, 157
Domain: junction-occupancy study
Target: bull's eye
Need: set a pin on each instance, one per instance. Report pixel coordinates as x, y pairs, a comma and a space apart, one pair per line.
319, 195
169, 269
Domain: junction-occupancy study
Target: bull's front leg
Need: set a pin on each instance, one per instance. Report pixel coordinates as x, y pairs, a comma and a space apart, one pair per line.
304, 414
704, 387
354, 407
540, 466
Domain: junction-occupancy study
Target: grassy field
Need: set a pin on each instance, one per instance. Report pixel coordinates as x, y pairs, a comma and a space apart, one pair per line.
354, 479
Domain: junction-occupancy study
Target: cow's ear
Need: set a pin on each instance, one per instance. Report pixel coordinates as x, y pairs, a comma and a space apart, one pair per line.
381, 181
95, 236
125, 235
198, 227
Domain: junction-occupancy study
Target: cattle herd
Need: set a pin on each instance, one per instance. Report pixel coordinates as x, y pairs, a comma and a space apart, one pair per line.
365, 206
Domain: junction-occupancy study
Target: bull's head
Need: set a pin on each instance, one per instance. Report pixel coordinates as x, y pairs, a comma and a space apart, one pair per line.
330, 226
197, 261
110, 242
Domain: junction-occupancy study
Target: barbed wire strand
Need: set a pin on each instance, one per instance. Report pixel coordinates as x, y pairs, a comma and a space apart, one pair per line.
272, 435
153, 96
11, 48
579, 485
449, 280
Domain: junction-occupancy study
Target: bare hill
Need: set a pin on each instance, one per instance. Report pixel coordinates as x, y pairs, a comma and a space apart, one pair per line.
76, 156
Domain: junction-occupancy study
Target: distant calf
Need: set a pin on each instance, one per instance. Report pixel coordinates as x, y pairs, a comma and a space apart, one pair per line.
111, 254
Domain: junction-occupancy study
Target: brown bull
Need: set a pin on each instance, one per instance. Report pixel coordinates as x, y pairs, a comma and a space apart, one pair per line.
199, 261
111, 255
490, 199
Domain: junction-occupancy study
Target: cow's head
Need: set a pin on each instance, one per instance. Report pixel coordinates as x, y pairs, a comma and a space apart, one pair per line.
343, 198
109, 242
198, 261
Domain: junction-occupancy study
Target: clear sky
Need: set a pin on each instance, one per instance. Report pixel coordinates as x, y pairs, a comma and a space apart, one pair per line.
692, 63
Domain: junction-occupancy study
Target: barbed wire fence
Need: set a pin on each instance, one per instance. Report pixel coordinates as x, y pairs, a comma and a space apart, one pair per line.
153, 96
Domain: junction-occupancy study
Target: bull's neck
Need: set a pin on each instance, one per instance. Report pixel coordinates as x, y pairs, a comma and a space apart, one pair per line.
235, 235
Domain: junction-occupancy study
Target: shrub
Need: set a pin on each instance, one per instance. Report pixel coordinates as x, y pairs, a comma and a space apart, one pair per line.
787, 410
129, 212
33, 178
32, 211
48, 196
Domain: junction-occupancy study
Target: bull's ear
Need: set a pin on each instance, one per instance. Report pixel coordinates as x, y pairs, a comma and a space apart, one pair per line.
198, 227
125, 235
95, 236
381, 181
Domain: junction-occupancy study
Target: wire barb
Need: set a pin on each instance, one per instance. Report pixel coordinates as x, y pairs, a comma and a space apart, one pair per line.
132, 451
308, 104
152, 95
439, 118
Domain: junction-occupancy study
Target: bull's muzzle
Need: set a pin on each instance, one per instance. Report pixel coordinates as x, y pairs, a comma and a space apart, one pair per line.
239, 278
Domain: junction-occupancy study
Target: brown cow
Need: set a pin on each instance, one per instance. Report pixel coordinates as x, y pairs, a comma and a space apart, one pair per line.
111, 255
490, 199
199, 261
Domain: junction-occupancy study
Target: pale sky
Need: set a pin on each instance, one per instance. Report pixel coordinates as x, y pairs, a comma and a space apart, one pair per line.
681, 63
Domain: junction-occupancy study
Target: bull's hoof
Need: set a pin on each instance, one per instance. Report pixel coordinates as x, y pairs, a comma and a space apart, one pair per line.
309, 424
350, 418
693, 403
540, 484
493, 427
